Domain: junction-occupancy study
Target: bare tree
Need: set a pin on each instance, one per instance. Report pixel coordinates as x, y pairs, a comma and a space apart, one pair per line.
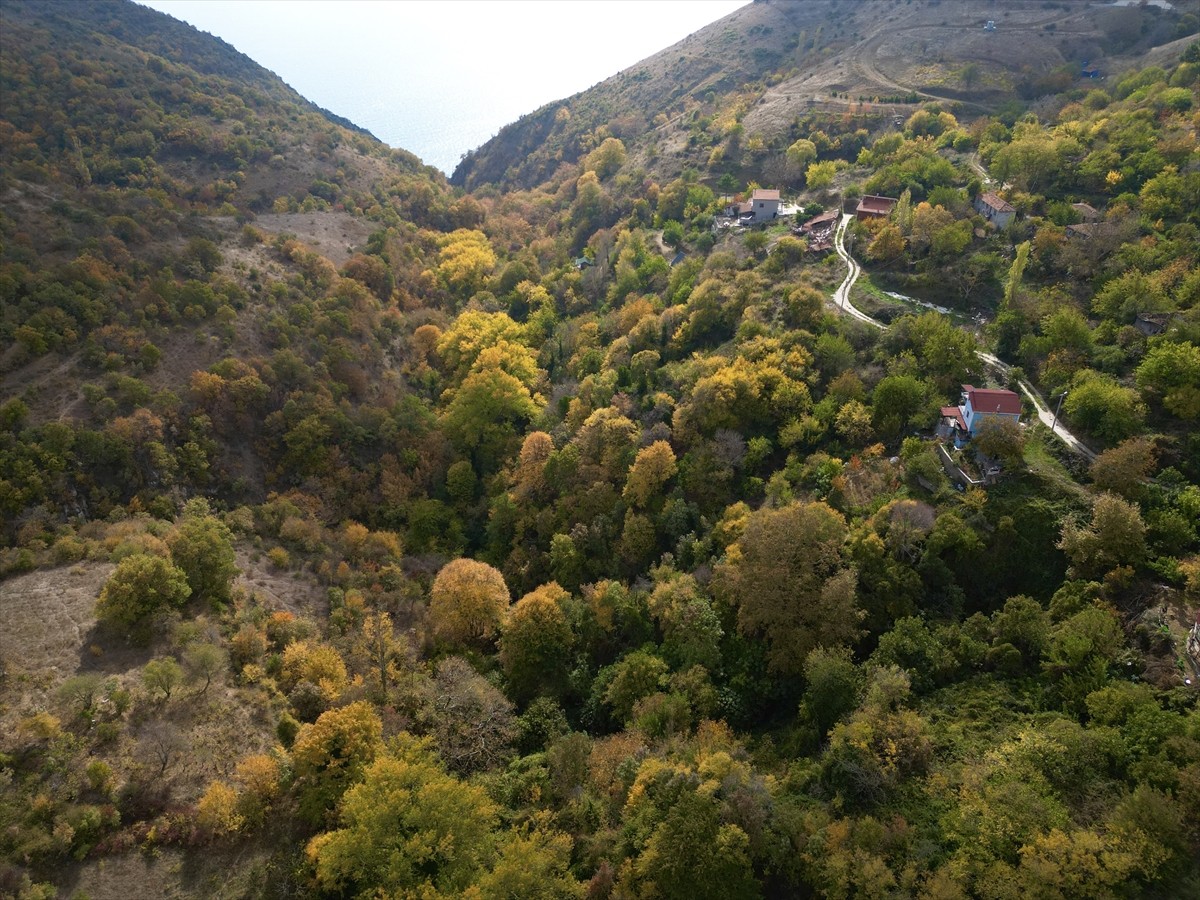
471, 721
161, 744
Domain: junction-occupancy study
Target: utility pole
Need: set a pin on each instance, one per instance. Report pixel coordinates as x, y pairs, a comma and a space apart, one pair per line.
1056, 410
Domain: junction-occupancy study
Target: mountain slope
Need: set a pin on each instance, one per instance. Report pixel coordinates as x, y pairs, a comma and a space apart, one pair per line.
751, 74
167, 204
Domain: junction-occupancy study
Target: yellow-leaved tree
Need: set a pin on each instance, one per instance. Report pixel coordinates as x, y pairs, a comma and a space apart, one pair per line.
468, 602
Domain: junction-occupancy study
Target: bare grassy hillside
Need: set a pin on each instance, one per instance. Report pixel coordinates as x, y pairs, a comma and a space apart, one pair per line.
769, 62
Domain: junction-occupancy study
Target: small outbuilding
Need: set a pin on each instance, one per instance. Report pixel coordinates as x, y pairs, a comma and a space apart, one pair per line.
874, 206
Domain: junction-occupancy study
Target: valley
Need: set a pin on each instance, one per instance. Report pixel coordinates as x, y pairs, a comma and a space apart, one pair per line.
772, 472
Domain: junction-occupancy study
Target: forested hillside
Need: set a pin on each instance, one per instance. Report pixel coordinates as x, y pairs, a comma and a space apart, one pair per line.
365, 537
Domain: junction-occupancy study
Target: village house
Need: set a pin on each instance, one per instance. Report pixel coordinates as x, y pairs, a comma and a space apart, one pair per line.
1087, 230
1087, 212
819, 231
763, 206
995, 209
872, 205
1150, 323
978, 406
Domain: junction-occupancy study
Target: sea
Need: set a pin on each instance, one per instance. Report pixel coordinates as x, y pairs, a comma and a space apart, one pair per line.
440, 78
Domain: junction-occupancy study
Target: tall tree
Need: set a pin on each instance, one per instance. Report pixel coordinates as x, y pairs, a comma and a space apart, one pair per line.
330, 755
535, 647
468, 602
789, 582
203, 547
409, 829
140, 588
1115, 537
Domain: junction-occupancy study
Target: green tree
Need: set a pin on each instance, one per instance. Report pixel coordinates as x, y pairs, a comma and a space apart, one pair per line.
756, 242
1123, 469
81, 691
820, 175
1016, 273
1001, 439
606, 159
140, 588
330, 756
888, 245
1170, 373
532, 861
1115, 537
788, 251
637, 675
204, 661
692, 855
485, 413
203, 548
409, 829
898, 401
801, 154
162, 675
880, 744
1127, 295
833, 683
535, 644
1103, 406
789, 583
673, 234
853, 424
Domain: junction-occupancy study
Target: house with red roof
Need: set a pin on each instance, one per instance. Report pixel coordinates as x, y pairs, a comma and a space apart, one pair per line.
980, 405
874, 205
977, 407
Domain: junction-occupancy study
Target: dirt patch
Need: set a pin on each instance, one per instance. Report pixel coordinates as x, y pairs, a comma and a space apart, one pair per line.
277, 589
167, 873
49, 385
335, 235
48, 615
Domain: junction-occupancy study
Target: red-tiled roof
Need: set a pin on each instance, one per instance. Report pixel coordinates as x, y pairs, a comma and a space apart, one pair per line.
953, 412
764, 194
999, 204
829, 216
876, 204
987, 400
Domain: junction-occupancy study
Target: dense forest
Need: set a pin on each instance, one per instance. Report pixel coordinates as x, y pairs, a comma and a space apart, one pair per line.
361, 536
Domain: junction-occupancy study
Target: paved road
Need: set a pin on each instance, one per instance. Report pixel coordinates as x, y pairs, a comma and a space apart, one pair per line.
841, 297
1044, 414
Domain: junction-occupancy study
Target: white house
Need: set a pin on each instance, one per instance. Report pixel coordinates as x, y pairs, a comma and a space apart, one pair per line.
995, 209
763, 206
980, 405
